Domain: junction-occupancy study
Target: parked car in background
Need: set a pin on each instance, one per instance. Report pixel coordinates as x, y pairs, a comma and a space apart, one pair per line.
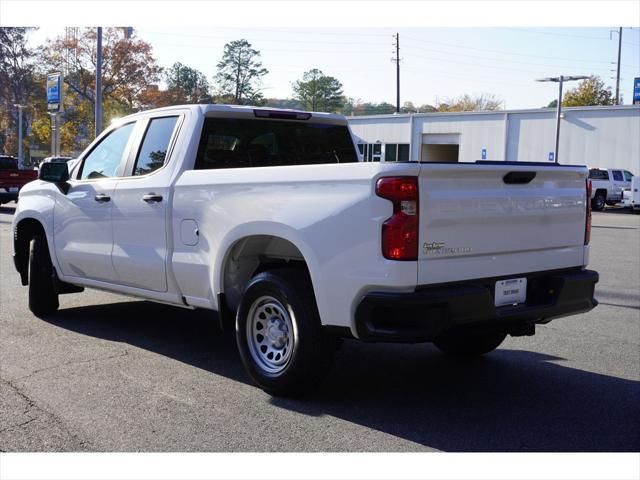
632, 196
607, 186
12, 178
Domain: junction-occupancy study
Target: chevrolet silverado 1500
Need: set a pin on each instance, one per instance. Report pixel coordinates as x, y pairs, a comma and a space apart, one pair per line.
270, 218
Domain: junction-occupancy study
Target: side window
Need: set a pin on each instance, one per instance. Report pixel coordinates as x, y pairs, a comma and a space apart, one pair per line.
596, 174
103, 161
153, 151
617, 175
627, 175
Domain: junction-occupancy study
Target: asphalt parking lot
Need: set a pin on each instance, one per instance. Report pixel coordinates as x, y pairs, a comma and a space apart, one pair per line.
111, 373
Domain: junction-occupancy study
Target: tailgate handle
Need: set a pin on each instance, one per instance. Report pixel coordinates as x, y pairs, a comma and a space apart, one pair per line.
518, 178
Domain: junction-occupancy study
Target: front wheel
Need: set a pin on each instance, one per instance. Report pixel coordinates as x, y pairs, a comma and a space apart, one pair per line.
469, 344
43, 298
279, 334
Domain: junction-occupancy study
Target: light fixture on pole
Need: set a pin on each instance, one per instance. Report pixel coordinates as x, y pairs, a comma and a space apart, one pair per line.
19, 107
560, 80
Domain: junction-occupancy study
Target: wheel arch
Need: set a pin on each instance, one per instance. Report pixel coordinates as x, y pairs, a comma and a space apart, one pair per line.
253, 252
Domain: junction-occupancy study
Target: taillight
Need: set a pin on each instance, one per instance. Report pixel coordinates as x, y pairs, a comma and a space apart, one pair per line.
400, 231
587, 225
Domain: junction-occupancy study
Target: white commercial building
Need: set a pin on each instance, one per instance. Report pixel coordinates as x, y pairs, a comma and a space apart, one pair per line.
607, 137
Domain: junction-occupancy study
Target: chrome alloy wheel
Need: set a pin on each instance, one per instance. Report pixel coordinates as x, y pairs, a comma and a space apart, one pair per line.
270, 334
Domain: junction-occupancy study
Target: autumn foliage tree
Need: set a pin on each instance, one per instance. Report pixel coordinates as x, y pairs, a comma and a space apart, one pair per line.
468, 103
17, 85
128, 71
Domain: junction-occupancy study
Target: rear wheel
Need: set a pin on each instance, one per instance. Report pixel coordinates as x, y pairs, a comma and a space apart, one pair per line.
599, 201
469, 344
43, 298
279, 335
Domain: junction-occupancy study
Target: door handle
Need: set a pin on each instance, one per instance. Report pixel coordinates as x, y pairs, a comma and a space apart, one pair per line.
102, 197
152, 198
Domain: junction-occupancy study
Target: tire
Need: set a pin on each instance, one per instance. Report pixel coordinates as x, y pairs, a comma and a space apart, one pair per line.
43, 298
598, 202
292, 354
469, 344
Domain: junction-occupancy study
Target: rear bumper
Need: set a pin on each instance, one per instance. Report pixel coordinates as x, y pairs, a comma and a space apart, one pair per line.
424, 314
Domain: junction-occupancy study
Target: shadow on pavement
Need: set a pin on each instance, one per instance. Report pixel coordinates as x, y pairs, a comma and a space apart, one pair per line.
510, 400
615, 210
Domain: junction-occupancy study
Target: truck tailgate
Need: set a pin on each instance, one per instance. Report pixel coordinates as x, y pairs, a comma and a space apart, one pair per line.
477, 222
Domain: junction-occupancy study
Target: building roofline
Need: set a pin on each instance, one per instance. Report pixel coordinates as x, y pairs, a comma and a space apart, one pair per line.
599, 108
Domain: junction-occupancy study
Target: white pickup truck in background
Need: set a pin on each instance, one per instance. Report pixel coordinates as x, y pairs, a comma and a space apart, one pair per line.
270, 218
607, 186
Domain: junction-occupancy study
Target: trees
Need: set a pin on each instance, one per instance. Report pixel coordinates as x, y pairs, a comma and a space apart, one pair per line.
239, 73
467, 103
128, 65
590, 91
16, 84
188, 84
128, 72
318, 92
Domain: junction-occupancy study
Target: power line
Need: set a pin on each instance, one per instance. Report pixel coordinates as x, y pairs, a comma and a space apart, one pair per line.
563, 65
503, 52
266, 40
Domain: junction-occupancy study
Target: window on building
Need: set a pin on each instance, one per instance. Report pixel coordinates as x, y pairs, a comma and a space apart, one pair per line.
391, 152
396, 152
403, 152
153, 150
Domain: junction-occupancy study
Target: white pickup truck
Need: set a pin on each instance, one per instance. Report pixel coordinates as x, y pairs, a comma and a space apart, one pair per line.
270, 218
607, 186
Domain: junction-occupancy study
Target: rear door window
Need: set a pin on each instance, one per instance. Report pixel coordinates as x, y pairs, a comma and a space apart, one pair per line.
617, 175
153, 151
238, 143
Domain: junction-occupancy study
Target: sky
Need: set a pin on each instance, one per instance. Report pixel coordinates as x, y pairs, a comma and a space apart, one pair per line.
436, 63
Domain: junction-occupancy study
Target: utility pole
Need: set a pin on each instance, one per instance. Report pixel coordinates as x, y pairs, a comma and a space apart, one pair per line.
98, 93
397, 59
560, 80
618, 68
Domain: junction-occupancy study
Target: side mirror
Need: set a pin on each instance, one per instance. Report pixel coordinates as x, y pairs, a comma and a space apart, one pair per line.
54, 172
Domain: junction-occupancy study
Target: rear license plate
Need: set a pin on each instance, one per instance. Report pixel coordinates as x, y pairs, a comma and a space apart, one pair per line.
511, 292
13, 189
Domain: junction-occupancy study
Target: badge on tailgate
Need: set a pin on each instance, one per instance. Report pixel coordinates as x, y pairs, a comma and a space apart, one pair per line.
510, 292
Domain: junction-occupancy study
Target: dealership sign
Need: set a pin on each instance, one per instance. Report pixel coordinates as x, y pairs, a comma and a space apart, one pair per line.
54, 92
636, 91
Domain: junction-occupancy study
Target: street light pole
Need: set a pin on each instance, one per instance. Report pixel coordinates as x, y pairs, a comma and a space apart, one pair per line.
558, 118
618, 67
560, 80
19, 107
